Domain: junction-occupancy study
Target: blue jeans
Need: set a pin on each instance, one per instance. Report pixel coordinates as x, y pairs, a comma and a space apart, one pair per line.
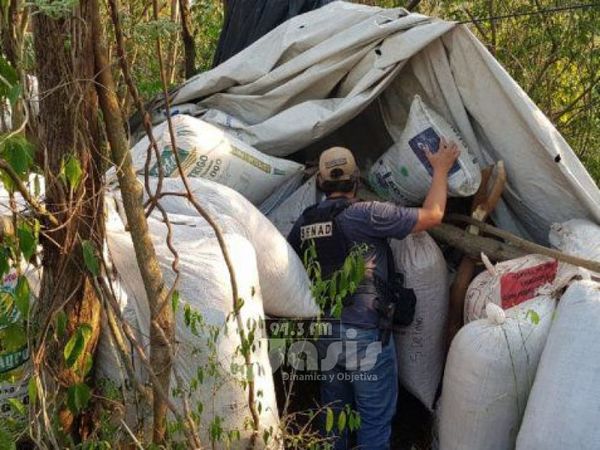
362, 374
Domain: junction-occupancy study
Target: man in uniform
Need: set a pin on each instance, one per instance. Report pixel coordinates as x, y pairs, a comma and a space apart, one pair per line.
362, 371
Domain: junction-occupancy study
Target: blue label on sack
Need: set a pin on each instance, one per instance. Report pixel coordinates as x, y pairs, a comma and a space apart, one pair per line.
428, 139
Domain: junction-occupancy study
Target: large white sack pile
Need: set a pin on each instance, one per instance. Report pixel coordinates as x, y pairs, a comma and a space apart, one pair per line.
404, 173
490, 369
512, 282
564, 405
205, 151
577, 237
205, 288
283, 279
420, 347
281, 194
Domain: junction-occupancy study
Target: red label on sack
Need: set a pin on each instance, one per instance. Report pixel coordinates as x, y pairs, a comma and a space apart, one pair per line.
517, 287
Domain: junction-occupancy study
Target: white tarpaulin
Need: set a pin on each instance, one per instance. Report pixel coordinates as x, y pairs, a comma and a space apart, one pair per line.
315, 73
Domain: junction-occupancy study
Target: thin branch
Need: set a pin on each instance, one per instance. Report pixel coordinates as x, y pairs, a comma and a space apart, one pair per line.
556, 117
216, 229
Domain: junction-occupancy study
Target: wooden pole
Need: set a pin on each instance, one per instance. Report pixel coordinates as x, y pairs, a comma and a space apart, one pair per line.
524, 245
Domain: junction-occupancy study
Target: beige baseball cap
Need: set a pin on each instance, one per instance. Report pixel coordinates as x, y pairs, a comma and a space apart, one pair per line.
337, 164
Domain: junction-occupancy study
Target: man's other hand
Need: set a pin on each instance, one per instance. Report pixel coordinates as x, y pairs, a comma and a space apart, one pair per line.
445, 157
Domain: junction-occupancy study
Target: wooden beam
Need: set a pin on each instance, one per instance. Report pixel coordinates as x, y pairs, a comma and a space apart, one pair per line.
473, 245
524, 245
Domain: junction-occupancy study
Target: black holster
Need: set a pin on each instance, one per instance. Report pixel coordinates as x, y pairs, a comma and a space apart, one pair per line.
395, 305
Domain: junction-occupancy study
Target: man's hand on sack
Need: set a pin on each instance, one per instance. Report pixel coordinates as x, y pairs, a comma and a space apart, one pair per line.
444, 158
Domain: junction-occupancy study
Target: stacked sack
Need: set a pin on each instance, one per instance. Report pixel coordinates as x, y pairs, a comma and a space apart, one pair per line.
208, 359
564, 406
490, 369
206, 151
510, 283
285, 215
578, 237
284, 283
14, 352
421, 347
404, 174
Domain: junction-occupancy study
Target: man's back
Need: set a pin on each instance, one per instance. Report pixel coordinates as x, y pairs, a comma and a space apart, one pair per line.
370, 223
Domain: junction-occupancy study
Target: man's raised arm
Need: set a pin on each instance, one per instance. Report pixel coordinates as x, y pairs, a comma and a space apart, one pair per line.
434, 206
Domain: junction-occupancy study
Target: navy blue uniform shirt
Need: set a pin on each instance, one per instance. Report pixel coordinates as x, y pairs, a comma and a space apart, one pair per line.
371, 223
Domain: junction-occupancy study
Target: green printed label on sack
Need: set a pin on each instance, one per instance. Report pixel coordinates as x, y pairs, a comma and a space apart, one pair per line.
11, 360
9, 313
246, 157
169, 162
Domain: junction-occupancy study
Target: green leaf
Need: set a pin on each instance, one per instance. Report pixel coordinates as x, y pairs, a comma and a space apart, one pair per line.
90, 259
78, 397
13, 94
329, 420
72, 171
17, 406
18, 153
7, 89
266, 436
32, 390
175, 300
6, 441
61, 324
8, 72
76, 344
21, 295
14, 337
27, 240
4, 261
87, 366
533, 316
342, 421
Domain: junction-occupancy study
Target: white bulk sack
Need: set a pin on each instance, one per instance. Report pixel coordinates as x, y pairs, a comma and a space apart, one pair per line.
14, 361
403, 173
205, 287
15, 366
512, 282
577, 237
563, 411
206, 151
283, 279
285, 215
491, 366
420, 347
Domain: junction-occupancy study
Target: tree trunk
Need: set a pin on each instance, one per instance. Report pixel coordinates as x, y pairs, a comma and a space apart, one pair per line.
161, 312
187, 36
68, 128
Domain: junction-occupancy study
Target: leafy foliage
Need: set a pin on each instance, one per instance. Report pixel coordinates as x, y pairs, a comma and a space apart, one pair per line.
331, 292
89, 258
76, 344
18, 153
